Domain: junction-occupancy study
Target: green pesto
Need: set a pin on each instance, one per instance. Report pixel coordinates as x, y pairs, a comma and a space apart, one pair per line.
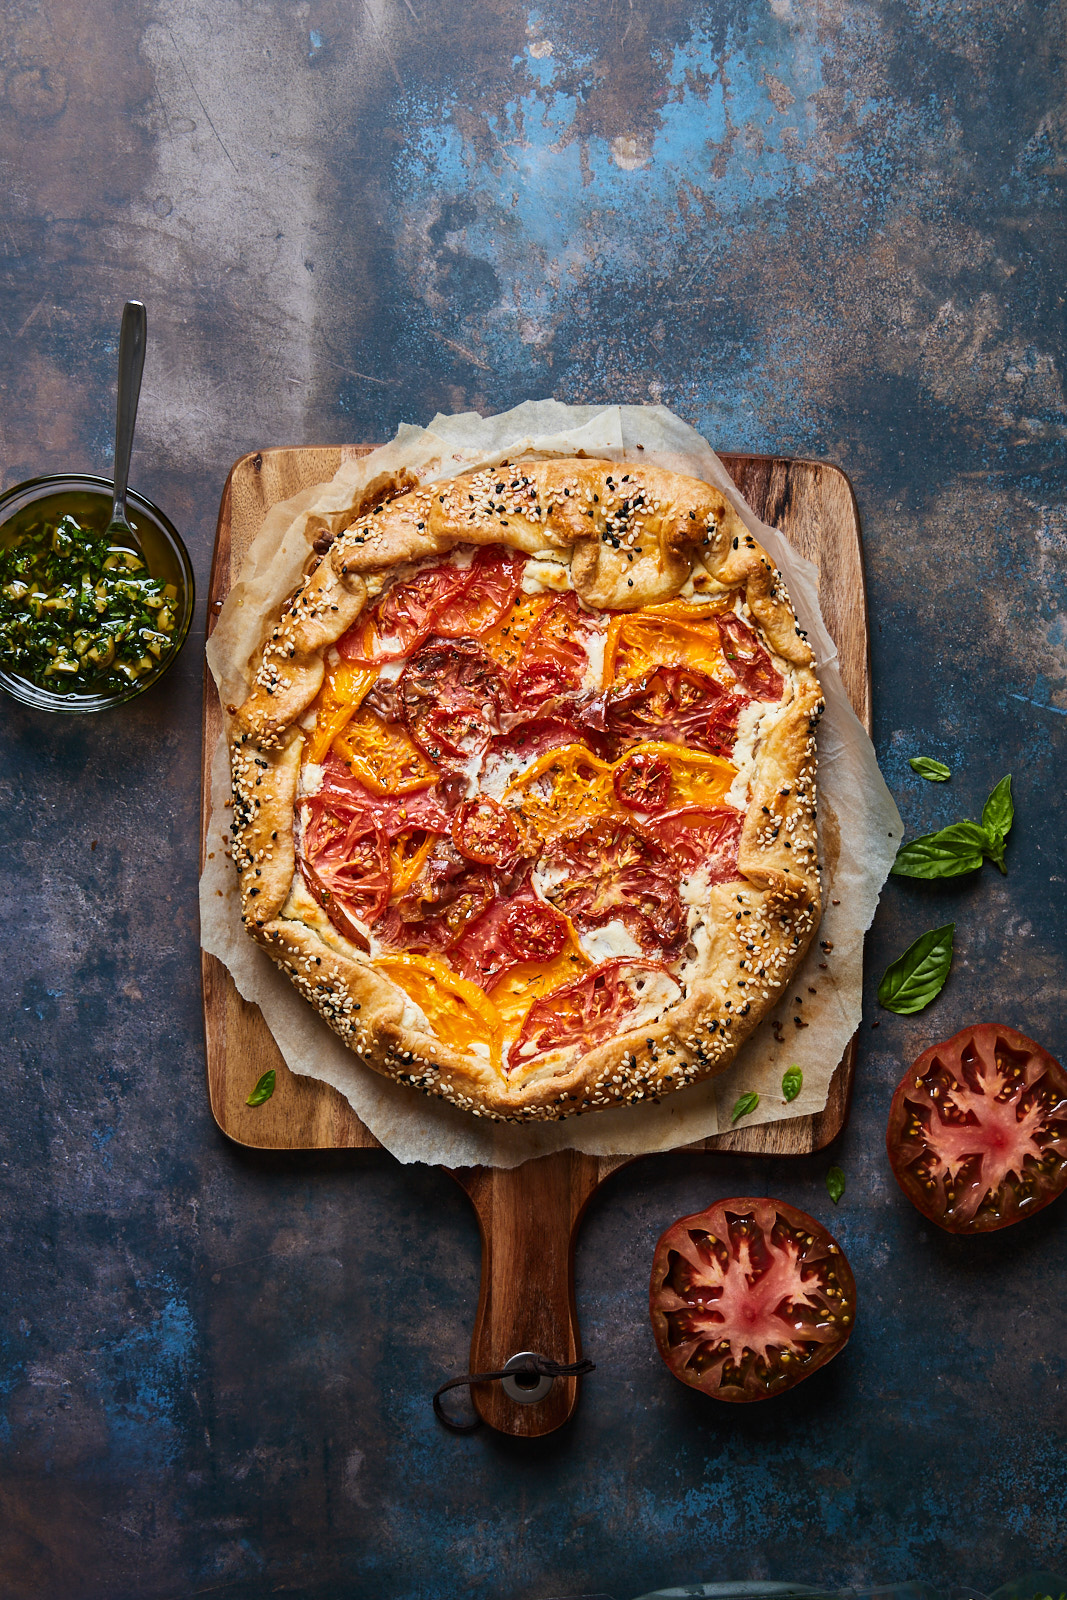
79, 614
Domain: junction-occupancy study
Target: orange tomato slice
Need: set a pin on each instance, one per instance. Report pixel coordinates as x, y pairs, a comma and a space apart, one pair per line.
671, 635
407, 858
343, 690
515, 992
382, 755
507, 638
457, 1011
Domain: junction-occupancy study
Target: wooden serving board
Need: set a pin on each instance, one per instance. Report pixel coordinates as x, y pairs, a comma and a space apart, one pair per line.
529, 1215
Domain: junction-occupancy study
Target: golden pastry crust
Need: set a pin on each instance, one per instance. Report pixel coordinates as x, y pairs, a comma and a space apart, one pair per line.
629, 536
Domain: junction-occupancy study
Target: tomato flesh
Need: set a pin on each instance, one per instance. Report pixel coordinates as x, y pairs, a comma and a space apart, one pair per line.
483, 830
492, 582
747, 659
614, 871
675, 705
534, 932
643, 782
977, 1134
749, 1297
591, 1009
701, 836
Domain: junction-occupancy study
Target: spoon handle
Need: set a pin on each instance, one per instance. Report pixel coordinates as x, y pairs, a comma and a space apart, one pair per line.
133, 337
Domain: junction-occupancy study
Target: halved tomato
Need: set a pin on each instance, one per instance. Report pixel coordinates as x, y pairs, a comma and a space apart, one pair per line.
643, 781
534, 931
484, 831
749, 1297
493, 580
977, 1133
591, 1009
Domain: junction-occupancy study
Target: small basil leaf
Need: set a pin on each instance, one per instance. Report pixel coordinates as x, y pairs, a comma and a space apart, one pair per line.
997, 816
263, 1089
918, 976
946, 854
792, 1083
927, 767
835, 1183
748, 1102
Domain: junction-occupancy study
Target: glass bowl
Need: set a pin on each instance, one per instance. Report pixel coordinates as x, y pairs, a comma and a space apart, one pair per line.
88, 500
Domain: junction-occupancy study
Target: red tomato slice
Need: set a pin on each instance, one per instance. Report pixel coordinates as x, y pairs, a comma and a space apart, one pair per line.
591, 1009
674, 705
643, 782
494, 578
698, 836
448, 895
452, 695
349, 863
749, 1297
485, 951
484, 831
533, 931
333, 908
747, 659
539, 681
394, 814
612, 871
540, 734
977, 1134
560, 637
403, 617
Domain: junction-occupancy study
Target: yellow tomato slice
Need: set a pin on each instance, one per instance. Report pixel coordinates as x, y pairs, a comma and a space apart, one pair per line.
458, 1012
382, 755
342, 692
671, 635
565, 788
406, 859
562, 789
506, 639
696, 779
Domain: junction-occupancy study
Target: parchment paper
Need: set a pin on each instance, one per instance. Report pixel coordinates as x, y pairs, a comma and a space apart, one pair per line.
852, 798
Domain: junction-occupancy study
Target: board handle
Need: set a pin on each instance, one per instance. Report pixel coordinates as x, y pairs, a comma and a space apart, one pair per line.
529, 1217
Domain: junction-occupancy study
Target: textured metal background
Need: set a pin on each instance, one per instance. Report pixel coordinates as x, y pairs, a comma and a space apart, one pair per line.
833, 229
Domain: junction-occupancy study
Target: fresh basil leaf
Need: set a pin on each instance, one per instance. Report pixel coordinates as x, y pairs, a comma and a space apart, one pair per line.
748, 1102
263, 1089
835, 1183
946, 854
918, 976
792, 1083
997, 816
927, 767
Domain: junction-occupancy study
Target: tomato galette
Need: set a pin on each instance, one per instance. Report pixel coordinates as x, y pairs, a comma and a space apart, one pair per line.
524, 788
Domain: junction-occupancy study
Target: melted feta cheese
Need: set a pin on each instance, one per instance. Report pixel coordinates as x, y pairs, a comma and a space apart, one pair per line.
612, 942
310, 780
540, 575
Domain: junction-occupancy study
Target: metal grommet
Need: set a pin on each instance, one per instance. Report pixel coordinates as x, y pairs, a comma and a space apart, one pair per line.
525, 1387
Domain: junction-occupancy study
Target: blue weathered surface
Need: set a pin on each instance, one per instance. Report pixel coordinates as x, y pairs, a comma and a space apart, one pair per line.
833, 230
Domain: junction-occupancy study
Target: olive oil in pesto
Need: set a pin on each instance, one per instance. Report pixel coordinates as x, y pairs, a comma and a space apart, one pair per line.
78, 613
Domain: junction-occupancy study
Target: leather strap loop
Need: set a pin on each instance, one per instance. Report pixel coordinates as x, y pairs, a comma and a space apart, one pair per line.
536, 1366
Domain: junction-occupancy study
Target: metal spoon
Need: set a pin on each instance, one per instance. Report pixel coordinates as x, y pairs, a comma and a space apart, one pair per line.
133, 336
